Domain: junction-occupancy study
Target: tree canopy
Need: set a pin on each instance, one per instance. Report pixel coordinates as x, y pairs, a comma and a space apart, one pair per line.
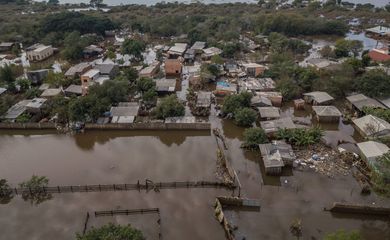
112, 232
169, 107
374, 83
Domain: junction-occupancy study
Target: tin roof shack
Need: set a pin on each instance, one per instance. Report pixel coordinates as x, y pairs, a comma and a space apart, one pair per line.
198, 47
173, 67
36, 77
203, 104
318, 98
209, 52
253, 69
108, 70
225, 88
6, 46
150, 71
73, 90
276, 98
358, 101
177, 50
51, 92
272, 126
15, 111
92, 51
378, 31
189, 55
269, 113
370, 151
165, 85
257, 84
371, 126
36, 105
260, 101
275, 156
126, 112
327, 113
78, 70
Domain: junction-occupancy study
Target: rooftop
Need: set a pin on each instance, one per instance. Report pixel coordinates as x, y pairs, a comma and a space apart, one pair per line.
326, 111
2, 90
105, 68
36, 103
379, 30
275, 153
16, 110
76, 89
372, 149
125, 110
272, 126
166, 85
208, 52
180, 120
178, 48
91, 73
371, 125
77, 69
51, 92
258, 84
319, 97
198, 46
203, 99
269, 112
360, 101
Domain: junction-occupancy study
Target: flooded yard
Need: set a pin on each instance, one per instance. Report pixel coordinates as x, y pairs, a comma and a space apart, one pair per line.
107, 157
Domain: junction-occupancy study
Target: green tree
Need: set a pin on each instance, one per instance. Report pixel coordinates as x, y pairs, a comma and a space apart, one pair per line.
150, 96
7, 76
144, 84
59, 106
112, 232
344, 48
234, 102
6, 193
254, 137
23, 118
131, 74
169, 107
24, 84
374, 83
35, 192
343, 235
133, 47
245, 117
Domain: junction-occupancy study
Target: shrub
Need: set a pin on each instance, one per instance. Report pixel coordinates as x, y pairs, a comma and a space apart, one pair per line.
300, 136
112, 231
37, 195
245, 117
378, 112
374, 83
234, 102
343, 235
169, 107
253, 137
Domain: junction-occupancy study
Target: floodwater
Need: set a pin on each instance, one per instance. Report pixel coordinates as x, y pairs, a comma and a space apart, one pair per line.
127, 156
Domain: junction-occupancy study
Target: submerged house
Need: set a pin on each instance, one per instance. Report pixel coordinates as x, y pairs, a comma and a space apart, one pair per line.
370, 151
276, 155
327, 113
276, 98
372, 126
318, 98
358, 101
272, 126
268, 113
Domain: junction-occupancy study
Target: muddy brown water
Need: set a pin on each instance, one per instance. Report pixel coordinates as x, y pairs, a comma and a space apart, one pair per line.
125, 157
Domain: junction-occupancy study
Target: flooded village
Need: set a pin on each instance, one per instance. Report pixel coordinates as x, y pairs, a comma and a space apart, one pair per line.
123, 119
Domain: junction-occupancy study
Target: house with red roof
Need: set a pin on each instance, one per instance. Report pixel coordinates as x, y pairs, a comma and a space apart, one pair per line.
379, 55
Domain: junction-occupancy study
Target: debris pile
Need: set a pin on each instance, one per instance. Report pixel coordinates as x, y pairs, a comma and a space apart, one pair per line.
324, 160
222, 171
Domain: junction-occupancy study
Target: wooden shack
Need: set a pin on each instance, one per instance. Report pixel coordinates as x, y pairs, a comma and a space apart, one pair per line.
327, 113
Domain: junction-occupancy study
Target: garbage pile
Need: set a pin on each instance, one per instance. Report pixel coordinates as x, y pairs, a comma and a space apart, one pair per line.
324, 160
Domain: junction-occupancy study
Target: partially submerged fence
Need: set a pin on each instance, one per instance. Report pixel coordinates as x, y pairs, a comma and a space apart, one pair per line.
148, 185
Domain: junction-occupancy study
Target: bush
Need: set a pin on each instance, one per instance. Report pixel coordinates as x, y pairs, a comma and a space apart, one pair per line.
133, 47
144, 84
112, 231
378, 112
381, 175
253, 137
343, 235
300, 136
37, 195
6, 193
245, 117
169, 107
234, 102
374, 83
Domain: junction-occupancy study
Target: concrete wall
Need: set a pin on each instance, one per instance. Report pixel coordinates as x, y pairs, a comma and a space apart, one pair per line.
27, 126
149, 126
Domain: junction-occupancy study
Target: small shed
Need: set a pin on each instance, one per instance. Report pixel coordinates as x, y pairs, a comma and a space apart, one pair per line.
327, 113
51, 92
203, 99
299, 104
73, 90
276, 155
260, 101
370, 125
268, 113
272, 126
371, 150
318, 98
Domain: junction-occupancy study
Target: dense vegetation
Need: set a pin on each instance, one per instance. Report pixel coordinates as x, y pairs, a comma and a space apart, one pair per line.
254, 137
343, 235
36, 196
238, 107
300, 136
381, 175
112, 232
378, 112
169, 106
